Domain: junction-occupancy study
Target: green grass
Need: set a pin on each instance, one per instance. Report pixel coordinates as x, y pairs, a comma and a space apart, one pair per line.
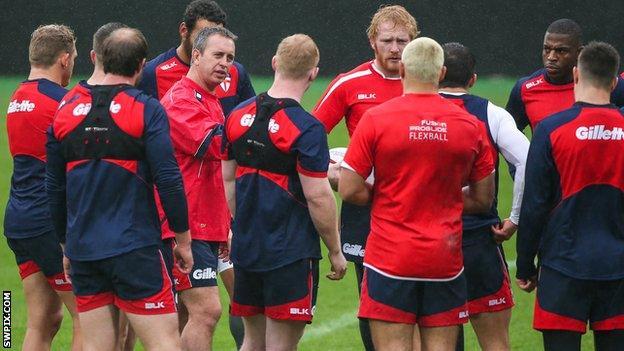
335, 324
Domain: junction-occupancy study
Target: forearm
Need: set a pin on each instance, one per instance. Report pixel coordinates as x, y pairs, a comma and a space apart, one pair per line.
323, 212
228, 171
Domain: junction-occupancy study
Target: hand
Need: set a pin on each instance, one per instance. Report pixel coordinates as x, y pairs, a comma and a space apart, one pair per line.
67, 268
338, 266
184, 257
527, 285
333, 175
224, 251
504, 231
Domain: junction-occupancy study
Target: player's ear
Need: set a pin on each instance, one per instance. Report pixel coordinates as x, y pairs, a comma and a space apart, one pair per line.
372, 43
313, 74
92, 55
274, 63
183, 30
472, 80
614, 83
64, 59
401, 70
195, 56
575, 74
442, 74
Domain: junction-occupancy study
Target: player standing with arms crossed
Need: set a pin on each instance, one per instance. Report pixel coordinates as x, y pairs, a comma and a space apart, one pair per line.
572, 213
414, 276
349, 95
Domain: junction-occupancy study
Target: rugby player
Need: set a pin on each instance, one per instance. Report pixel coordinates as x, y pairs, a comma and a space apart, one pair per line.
413, 264
126, 337
108, 146
489, 291
276, 184
551, 89
348, 96
169, 67
196, 121
572, 212
27, 223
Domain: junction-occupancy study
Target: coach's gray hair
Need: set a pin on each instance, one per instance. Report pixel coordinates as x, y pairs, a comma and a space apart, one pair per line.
204, 34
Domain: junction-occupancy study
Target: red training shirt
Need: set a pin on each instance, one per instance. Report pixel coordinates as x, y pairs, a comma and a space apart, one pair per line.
423, 149
193, 114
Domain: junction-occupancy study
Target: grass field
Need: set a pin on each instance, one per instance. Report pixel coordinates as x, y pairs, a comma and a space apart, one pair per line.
335, 324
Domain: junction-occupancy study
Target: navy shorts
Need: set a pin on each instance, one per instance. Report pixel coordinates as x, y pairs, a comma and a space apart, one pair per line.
354, 229
566, 303
285, 293
426, 303
205, 265
41, 253
487, 278
136, 282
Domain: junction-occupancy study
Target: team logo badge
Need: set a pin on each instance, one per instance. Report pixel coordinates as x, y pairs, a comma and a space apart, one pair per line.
198, 96
225, 85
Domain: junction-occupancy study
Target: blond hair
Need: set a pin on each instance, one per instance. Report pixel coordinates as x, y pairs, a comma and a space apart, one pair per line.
48, 42
395, 14
296, 55
423, 59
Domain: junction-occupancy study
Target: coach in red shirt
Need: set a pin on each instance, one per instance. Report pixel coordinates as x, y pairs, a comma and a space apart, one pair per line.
196, 118
423, 149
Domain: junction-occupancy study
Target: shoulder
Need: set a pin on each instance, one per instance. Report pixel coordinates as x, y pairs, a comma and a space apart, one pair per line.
358, 74
51, 90
303, 120
240, 69
152, 64
554, 121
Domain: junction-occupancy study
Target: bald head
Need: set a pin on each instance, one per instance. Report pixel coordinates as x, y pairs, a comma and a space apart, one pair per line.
123, 52
296, 56
422, 60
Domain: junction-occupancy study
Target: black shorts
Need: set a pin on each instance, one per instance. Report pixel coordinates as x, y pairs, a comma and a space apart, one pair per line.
566, 303
487, 278
205, 265
136, 282
426, 303
286, 293
41, 253
354, 230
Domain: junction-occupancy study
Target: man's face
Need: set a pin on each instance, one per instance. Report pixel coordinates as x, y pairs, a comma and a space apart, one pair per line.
190, 36
215, 62
69, 67
389, 45
559, 55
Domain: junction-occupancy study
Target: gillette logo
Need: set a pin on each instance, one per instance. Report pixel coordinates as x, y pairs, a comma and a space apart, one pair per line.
598, 132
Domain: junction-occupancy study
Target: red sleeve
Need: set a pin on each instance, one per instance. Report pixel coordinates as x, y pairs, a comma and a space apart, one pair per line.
484, 163
332, 106
191, 126
360, 153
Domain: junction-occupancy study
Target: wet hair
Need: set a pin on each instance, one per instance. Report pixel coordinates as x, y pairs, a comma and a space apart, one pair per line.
48, 42
123, 52
568, 27
599, 63
203, 9
460, 66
